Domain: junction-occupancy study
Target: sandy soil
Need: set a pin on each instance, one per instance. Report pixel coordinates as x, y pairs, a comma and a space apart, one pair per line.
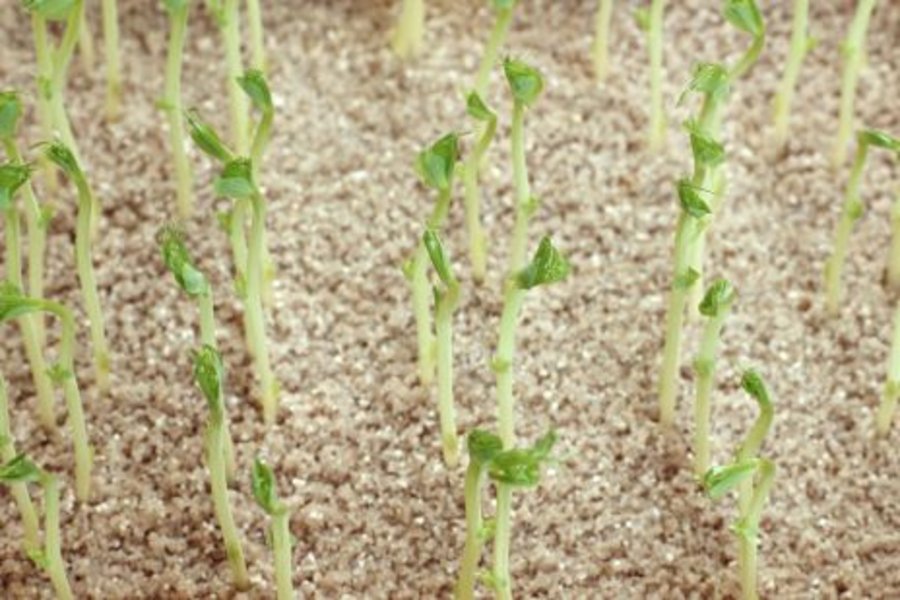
376, 515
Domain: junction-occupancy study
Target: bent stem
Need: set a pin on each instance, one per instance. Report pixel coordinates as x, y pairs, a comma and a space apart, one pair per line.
255, 316
525, 206
444, 352
410, 31
600, 51
489, 58
502, 537
892, 385
178, 20
748, 529
800, 44
657, 133
472, 199
111, 56
59, 69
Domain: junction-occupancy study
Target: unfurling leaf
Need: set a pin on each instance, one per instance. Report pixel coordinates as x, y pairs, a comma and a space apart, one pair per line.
264, 488
52, 10
14, 304
707, 151
436, 164
10, 113
710, 79
753, 384
206, 138
718, 481
745, 15
254, 84
521, 467
236, 179
209, 374
525, 82
879, 139
178, 261
477, 109
547, 266
20, 470
12, 177
691, 202
718, 297
483, 446
438, 257
60, 155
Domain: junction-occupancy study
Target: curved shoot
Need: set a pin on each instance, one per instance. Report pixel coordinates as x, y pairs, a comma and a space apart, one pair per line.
173, 106
110, 16
487, 120
801, 43
503, 9
410, 30
745, 16
263, 485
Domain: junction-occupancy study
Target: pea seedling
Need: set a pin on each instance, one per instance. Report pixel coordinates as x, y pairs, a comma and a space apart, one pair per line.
478, 110
14, 305
715, 306
754, 477
18, 472
172, 104
410, 30
801, 43
209, 374
446, 299
504, 14
854, 51
110, 15
851, 212
600, 49
60, 155
266, 495
31, 541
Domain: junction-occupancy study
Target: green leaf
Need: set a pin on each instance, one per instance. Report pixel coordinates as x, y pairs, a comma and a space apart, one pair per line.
236, 179
753, 384
436, 164
60, 155
264, 487
687, 279
547, 266
525, 82
718, 297
178, 260
691, 202
52, 10
14, 304
483, 445
254, 84
710, 79
175, 5
10, 113
707, 151
745, 15
438, 257
20, 470
544, 445
521, 467
718, 481
209, 375
206, 137
879, 139
12, 177
477, 109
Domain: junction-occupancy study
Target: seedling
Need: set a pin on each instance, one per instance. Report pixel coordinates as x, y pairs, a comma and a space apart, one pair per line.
410, 31
504, 14
801, 43
436, 166
854, 51
31, 535
266, 496
12, 178
754, 477
487, 119
61, 155
851, 212
111, 56
20, 471
715, 307
653, 24
14, 305
446, 299
600, 50
172, 104
209, 375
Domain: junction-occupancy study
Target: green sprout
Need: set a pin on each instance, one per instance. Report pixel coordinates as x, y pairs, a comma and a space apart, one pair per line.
14, 305
19, 490
227, 16
801, 43
110, 14
172, 104
257, 45
851, 212
745, 16
446, 299
266, 496
62, 156
656, 137
12, 178
600, 48
715, 306
209, 375
410, 30
17, 473
436, 166
753, 476
471, 168
504, 11
854, 52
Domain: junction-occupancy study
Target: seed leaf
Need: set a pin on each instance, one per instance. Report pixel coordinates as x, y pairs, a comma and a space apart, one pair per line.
718, 297
10, 113
52, 10
236, 180
209, 375
547, 266
691, 202
438, 257
483, 446
178, 261
525, 82
477, 109
718, 481
745, 15
264, 487
12, 177
20, 470
879, 139
254, 84
206, 137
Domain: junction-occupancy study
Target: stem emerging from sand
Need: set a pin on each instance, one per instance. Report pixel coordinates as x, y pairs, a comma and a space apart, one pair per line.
113, 61
410, 30
800, 45
600, 50
178, 22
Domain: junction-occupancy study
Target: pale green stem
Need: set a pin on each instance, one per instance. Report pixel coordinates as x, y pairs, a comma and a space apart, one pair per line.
749, 449
113, 61
43, 84
444, 353
892, 386
178, 21
749, 539
255, 315
524, 206
86, 43
60, 67
748, 59
472, 201
502, 536
468, 565
798, 49
237, 100
850, 213
600, 52
258, 147
281, 546
854, 50
494, 43
13, 245
657, 134
257, 46
408, 36
30, 527
705, 367
206, 307
56, 567
894, 260
716, 180
514, 298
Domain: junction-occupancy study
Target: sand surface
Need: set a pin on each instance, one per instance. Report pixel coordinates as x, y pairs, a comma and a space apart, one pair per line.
376, 515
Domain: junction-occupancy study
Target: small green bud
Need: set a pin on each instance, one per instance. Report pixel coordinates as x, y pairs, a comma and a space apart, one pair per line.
854, 209
547, 266
236, 180
525, 82
879, 139
521, 467
704, 366
707, 151
206, 138
12, 177
436, 164
14, 304
686, 280
209, 375
483, 446
710, 79
52, 10
58, 374
178, 260
20, 470
718, 297
60, 155
264, 487
542, 447
718, 481
477, 109
691, 202
10, 113
642, 18
254, 84
753, 384
438, 257
745, 15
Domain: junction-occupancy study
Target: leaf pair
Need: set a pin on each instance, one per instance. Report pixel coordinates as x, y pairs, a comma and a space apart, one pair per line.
547, 266
719, 297
520, 467
525, 82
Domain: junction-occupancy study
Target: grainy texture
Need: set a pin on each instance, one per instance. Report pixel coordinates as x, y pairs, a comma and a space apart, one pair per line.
356, 448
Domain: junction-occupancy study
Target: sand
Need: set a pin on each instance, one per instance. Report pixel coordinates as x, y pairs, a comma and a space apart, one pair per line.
376, 515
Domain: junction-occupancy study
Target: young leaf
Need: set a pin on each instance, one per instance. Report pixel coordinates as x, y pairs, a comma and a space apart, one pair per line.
483, 446
206, 138
179, 263
20, 470
879, 139
254, 84
10, 113
13, 304
642, 18
525, 82
236, 179
691, 202
745, 15
687, 279
521, 467
718, 481
436, 164
12, 177
547, 266
209, 375
719, 296
707, 151
51, 10
710, 79
263, 484
60, 155
477, 109
754, 385
438, 256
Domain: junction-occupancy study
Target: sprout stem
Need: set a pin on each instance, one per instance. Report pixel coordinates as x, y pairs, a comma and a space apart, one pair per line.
492, 49
178, 20
257, 148
237, 100
31, 534
892, 385
705, 366
56, 568
854, 50
410, 31
468, 566
524, 204
206, 307
86, 43
44, 65
444, 352
657, 134
851, 212
799, 46
472, 200
257, 46
281, 546
600, 51
748, 538
111, 56
503, 362
502, 537
894, 260
254, 311
60, 66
